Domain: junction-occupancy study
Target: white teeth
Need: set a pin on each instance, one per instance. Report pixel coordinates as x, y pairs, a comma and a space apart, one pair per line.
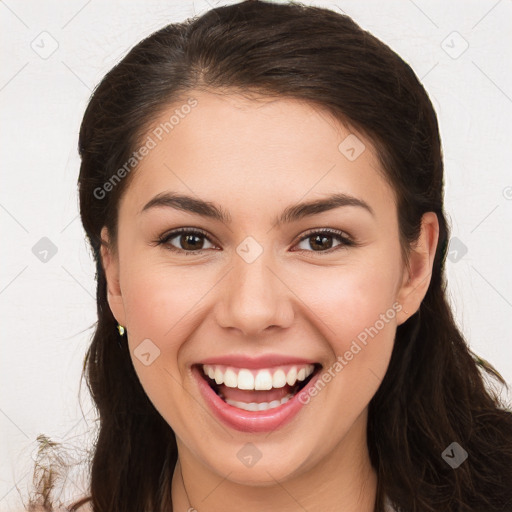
230, 378
263, 406
219, 375
263, 379
291, 376
253, 406
279, 379
245, 380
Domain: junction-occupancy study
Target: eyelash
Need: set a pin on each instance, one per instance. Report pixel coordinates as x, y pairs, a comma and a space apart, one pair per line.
345, 240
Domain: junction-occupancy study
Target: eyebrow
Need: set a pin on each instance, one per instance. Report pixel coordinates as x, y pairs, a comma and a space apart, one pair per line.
290, 214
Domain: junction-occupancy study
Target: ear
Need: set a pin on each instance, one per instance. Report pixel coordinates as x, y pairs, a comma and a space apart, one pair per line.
418, 271
110, 262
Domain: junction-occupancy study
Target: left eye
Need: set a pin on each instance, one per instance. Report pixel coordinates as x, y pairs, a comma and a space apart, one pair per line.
319, 239
192, 241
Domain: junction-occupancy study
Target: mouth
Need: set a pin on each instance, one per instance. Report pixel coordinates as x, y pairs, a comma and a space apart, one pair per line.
255, 399
256, 390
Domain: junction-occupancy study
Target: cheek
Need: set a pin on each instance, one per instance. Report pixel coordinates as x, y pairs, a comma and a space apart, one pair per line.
350, 299
159, 305
160, 300
363, 318
359, 311
356, 311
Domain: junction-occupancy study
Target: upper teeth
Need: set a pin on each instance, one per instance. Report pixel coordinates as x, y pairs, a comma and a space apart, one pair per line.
263, 379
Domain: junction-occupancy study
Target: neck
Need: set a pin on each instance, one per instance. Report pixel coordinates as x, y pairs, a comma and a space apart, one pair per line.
343, 481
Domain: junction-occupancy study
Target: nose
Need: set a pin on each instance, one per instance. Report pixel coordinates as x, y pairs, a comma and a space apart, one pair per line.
254, 298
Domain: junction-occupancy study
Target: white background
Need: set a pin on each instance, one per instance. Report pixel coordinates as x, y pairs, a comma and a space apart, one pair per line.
48, 309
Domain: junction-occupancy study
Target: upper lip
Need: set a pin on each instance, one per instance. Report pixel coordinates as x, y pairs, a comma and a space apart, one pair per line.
263, 361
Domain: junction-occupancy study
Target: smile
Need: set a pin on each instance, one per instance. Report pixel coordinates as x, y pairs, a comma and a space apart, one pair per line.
237, 385
254, 399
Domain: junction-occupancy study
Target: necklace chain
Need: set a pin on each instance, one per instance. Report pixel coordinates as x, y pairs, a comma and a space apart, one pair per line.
190, 507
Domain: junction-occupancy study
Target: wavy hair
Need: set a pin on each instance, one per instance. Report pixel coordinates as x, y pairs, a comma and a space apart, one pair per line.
434, 392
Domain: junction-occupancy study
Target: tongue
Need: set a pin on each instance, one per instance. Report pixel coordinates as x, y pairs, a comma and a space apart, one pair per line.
242, 395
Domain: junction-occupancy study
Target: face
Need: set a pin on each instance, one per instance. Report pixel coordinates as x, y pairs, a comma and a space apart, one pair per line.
299, 302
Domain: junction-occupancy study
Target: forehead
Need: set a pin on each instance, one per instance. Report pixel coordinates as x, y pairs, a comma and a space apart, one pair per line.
262, 149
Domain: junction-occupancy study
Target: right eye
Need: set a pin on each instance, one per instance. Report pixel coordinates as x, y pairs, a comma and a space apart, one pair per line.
190, 240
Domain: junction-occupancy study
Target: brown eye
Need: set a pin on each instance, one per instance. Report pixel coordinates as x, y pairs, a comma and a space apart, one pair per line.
322, 241
185, 240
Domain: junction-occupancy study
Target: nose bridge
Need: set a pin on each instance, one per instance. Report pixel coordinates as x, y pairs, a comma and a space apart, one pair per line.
254, 298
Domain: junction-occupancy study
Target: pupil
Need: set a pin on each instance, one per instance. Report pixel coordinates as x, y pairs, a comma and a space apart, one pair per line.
318, 240
188, 240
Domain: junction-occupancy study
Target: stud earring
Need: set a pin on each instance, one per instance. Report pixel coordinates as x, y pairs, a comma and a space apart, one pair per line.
121, 330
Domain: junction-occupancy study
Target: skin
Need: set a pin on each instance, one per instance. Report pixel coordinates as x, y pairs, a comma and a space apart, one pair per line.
254, 158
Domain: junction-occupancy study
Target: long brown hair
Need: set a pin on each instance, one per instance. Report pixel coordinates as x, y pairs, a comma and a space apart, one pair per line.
434, 392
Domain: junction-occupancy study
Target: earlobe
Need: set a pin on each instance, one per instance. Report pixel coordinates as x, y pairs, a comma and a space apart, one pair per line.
110, 264
417, 275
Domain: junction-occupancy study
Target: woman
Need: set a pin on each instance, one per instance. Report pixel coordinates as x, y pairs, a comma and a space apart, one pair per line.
262, 188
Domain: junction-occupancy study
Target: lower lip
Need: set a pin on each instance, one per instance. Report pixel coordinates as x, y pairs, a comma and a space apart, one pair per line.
251, 421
